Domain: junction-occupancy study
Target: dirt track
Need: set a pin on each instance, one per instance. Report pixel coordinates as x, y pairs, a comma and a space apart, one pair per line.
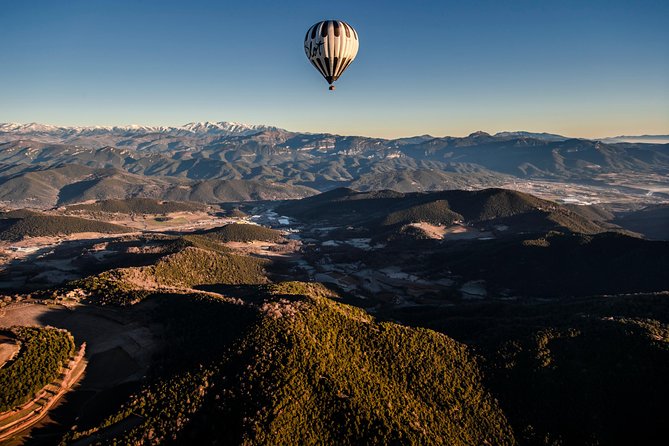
13, 423
120, 344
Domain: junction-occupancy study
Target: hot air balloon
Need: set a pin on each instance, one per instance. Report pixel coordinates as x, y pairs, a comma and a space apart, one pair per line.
331, 46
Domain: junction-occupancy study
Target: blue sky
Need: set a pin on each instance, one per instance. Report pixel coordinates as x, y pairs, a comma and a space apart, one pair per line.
582, 68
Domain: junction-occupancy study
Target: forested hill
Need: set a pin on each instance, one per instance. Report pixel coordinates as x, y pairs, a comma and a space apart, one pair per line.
488, 207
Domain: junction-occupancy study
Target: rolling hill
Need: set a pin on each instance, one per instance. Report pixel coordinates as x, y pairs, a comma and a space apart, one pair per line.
567, 346
651, 221
560, 265
137, 206
568, 371
483, 208
71, 184
192, 265
241, 232
45, 225
291, 365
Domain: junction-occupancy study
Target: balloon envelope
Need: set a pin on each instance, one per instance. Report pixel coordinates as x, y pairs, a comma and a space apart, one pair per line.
331, 46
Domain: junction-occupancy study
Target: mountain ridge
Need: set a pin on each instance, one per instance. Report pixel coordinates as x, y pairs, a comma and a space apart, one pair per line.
225, 127
239, 128
320, 161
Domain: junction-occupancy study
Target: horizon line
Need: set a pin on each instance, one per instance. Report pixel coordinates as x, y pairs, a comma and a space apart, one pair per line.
103, 126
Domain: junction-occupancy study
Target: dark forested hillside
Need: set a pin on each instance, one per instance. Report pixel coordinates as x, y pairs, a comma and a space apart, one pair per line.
559, 265
292, 366
519, 211
576, 371
378, 317
652, 221
137, 206
40, 225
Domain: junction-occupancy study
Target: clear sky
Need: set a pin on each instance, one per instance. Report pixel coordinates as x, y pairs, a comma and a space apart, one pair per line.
581, 68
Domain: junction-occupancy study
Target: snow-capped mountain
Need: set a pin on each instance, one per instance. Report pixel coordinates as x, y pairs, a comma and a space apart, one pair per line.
521, 134
226, 128
28, 128
195, 128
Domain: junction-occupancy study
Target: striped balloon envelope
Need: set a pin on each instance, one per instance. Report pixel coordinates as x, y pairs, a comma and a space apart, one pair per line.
331, 46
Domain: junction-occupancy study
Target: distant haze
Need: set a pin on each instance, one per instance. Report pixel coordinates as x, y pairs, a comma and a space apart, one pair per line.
649, 139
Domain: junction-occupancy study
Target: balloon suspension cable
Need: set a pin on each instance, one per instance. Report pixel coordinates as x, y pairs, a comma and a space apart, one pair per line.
331, 87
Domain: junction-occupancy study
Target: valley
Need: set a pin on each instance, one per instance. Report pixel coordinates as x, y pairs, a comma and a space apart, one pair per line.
251, 285
148, 300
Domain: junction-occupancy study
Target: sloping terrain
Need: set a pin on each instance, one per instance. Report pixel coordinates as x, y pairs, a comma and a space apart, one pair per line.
137, 206
189, 267
70, 184
292, 366
43, 354
427, 177
560, 265
577, 371
240, 232
520, 321
592, 212
169, 150
652, 221
209, 151
40, 225
436, 212
488, 207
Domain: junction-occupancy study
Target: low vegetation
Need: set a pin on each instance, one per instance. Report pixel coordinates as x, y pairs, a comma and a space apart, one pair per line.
302, 369
186, 268
560, 264
198, 241
43, 225
44, 352
294, 288
483, 208
242, 232
138, 206
436, 212
114, 287
194, 266
19, 213
575, 371
350, 389
236, 213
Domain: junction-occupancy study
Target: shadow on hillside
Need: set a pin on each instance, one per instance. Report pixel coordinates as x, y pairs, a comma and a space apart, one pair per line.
119, 345
583, 370
247, 293
75, 191
70, 260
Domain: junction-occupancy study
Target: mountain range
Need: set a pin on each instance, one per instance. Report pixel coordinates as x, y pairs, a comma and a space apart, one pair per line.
304, 163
